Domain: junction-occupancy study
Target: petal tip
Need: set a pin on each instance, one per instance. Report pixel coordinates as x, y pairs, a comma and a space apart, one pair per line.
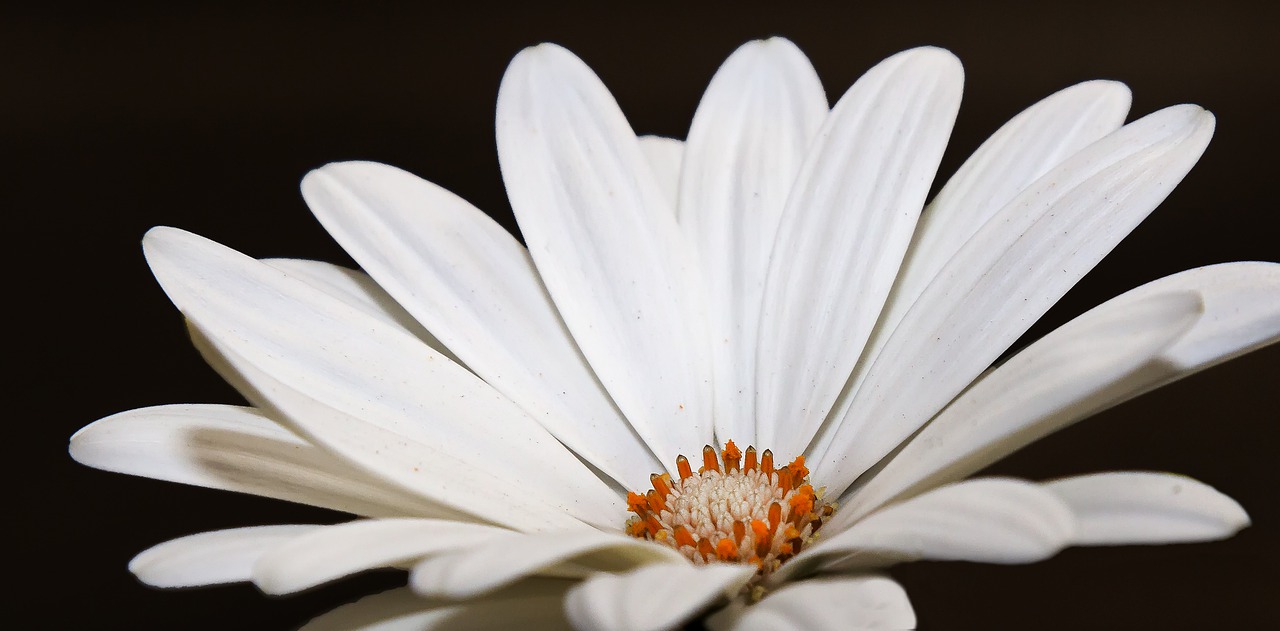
1109, 89
161, 242
160, 234
933, 56
546, 53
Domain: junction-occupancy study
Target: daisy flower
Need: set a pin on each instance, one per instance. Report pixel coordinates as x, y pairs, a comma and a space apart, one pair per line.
730, 379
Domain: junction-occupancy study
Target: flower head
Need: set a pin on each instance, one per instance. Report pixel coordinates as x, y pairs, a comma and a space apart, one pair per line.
513, 423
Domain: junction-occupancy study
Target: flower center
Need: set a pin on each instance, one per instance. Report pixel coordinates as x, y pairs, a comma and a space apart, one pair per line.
744, 511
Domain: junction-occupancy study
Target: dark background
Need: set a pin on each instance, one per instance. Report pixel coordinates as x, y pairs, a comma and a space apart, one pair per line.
115, 120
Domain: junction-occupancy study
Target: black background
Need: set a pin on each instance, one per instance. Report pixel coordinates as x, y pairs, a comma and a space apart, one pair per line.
117, 119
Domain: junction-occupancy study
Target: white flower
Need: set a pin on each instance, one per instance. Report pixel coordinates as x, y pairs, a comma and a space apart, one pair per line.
488, 407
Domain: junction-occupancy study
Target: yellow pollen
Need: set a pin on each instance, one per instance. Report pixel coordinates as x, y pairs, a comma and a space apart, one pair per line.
733, 510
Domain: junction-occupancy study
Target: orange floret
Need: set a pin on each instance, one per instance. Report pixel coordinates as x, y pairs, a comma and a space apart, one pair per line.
727, 550
683, 537
705, 549
661, 484
785, 480
682, 465
656, 501
709, 461
802, 502
731, 455
760, 530
775, 516
798, 469
637, 503
766, 462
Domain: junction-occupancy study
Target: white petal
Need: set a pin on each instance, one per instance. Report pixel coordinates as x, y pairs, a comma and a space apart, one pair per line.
530, 606
746, 143
237, 449
1038, 391
1004, 278
988, 520
354, 288
1102, 358
358, 290
843, 234
336, 551
467, 573
474, 286
652, 598
1132, 507
832, 604
664, 156
210, 558
1242, 313
376, 395
607, 245
1021, 151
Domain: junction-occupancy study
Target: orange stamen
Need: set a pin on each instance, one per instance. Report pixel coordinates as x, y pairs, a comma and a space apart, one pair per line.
791, 533
750, 464
682, 465
637, 503
705, 549
766, 462
656, 501
775, 516
709, 461
727, 550
802, 501
731, 455
785, 481
683, 537
798, 469
660, 484
764, 545
760, 530
652, 524
739, 531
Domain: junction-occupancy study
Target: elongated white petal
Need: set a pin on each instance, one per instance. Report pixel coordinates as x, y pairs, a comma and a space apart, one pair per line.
238, 449
1025, 148
376, 395
1242, 313
1100, 359
210, 558
832, 604
1005, 277
536, 605
746, 143
665, 157
467, 573
1132, 507
843, 234
354, 288
652, 598
1033, 394
607, 245
473, 285
337, 551
989, 520
358, 290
